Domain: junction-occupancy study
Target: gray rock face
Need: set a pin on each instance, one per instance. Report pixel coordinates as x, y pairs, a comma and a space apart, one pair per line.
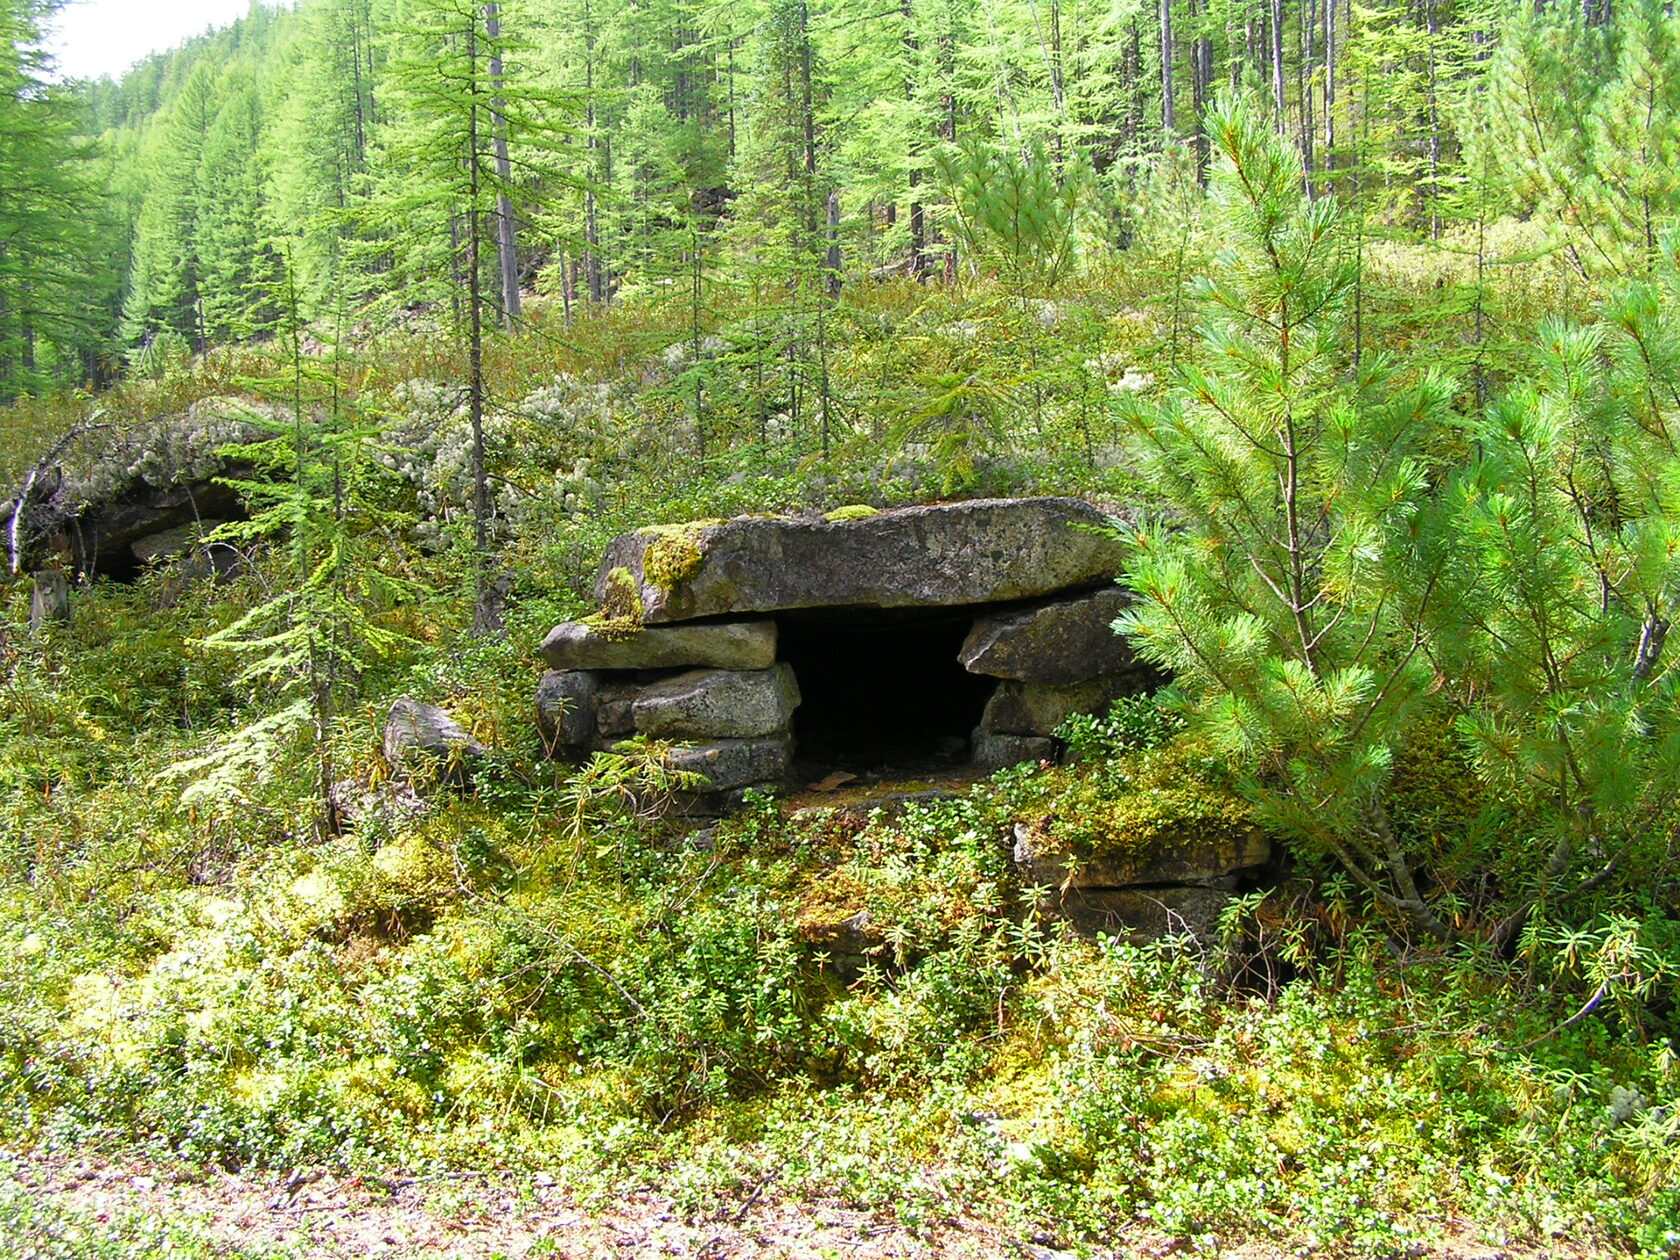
975, 552
418, 735
728, 645
735, 763
1206, 858
718, 704
1058, 643
566, 708
1146, 913
614, 709
993, 751
1023, 708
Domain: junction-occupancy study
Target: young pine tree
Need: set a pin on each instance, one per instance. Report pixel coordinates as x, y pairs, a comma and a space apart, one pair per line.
1291, 593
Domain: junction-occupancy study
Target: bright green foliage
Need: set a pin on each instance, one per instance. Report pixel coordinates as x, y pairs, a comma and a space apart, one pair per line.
1016, 212
1596, 153
49, 301
1569, 533
1287, 600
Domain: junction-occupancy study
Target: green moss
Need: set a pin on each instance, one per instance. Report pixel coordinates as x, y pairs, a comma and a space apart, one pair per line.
673, 554
622, 615
670, 560
852, 512
1139, 802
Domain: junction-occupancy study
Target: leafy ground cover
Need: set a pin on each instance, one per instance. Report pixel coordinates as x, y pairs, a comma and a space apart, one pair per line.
707, 1038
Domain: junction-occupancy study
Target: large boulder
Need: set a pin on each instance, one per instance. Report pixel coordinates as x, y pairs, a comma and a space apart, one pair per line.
421, 738
735, 763
1065, 641
719, 645
1208, 855
713, 704
975, 552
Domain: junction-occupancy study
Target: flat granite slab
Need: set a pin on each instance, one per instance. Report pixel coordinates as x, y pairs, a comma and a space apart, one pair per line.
975, 552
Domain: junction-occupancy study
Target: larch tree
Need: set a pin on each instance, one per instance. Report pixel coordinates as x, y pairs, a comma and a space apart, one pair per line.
436, 214
47, 223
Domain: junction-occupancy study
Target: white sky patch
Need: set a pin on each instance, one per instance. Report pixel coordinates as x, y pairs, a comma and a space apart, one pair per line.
95, 37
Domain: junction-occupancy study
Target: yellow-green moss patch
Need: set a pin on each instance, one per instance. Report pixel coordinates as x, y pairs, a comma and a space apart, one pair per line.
852, 512
622, 615
673, 553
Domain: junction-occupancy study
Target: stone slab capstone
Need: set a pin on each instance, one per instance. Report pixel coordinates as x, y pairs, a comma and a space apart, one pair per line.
720, 645
950, 554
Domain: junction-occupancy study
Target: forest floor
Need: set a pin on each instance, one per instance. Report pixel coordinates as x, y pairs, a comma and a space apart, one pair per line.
471, 1216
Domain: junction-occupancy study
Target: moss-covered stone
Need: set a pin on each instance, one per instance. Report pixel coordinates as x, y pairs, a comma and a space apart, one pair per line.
1157, 816
671, 559
621, 614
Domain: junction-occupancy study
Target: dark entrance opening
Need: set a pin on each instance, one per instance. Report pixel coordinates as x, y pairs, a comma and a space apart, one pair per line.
882, 689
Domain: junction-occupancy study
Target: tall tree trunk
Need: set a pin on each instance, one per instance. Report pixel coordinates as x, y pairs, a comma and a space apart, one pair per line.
507, 240
1131, 71
1309, 125
1280, 118
948, 122
1329, 91
1169, 119
486, 618
592, 143
1201, 83
1432, 16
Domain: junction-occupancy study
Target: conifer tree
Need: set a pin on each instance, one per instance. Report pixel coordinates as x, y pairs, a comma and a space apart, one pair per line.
1289, 598
307, 644
49, 289
441, 193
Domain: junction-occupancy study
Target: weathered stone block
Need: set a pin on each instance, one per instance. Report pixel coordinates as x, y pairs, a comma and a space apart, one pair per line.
1023, 708
993, 751
726, 645
614, 708
735, 763
566, 707
1207, 856
1145, 913
718, 704
975, 552
417, 733
1066, 641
